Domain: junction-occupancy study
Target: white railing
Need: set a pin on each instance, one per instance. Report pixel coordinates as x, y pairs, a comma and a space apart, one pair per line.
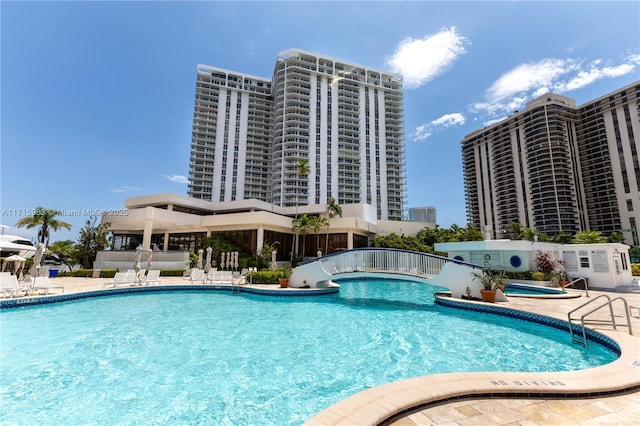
385, 260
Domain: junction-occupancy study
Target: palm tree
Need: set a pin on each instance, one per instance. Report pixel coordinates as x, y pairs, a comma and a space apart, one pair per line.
65, 250
315, 223
333, 209
302, 224
46, 220
303, 170
589, 237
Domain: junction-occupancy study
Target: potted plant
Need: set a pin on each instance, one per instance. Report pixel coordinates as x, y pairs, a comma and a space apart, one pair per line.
563, 279
285, 273
490, 281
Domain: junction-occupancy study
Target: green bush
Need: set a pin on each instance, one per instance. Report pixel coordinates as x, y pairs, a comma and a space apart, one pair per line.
538, 276
635, 269
172, 272
265, 276
88, 273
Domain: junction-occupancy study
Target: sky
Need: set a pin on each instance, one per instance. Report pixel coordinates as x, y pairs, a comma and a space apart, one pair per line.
96, 98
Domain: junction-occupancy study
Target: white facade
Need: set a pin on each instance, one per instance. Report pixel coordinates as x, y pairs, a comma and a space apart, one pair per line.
346, 120
606, 266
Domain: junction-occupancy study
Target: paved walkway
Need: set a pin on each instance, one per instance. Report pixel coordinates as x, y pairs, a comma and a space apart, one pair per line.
614, 410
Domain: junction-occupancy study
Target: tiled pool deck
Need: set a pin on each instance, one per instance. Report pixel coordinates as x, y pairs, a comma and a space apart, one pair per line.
585, 397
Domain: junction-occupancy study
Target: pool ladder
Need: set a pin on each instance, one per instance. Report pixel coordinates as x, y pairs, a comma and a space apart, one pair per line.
609, 302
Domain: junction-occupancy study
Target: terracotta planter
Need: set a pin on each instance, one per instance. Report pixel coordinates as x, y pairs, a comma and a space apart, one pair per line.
563, 284
488, 295
284, 282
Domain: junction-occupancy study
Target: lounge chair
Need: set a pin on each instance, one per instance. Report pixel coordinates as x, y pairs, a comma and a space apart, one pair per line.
9, 285
197, 275
152, 277
121, 278
43, 283
212, 275
226, 277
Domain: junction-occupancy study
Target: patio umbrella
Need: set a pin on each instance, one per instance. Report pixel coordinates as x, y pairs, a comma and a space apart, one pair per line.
207, 265
200, 258
222, 260
228, 260
14, 260
274, 255
136, 261
19, 267
37, 260
235, 260
149, 257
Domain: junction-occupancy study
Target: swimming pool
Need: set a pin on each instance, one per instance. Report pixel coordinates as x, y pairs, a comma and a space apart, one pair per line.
525, 290
220, 358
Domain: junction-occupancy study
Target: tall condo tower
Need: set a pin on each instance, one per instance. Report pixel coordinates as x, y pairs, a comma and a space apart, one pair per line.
557, 167
346, 120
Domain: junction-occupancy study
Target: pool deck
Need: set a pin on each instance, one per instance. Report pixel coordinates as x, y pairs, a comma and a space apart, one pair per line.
584, 397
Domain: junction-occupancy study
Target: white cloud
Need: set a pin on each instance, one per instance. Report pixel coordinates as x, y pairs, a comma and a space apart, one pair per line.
585, 78
176, 178
128, 189
530, 80
424, 131
448, 120
421, 60
528, 77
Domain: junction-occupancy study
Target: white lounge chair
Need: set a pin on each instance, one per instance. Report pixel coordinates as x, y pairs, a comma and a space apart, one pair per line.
43, 283
120, 278
197, 275
153, 277
212, 275
9, 285
226, 277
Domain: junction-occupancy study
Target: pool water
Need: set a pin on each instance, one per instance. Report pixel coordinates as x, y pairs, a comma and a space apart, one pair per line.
522, 289
239, 359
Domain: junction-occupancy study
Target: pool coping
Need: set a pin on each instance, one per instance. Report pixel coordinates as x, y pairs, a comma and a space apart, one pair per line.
244, 288
383, 404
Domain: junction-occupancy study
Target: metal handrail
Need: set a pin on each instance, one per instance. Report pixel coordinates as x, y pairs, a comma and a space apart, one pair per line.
586, 284
608, 303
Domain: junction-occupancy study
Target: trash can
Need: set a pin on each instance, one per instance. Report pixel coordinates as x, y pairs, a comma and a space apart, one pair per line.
53, 273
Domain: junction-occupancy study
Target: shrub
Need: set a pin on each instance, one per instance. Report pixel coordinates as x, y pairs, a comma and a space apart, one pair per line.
635, 269
172, 272
538, 276
104, 273
266, 276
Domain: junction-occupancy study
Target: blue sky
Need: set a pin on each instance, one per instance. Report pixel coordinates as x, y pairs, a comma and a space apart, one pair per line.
97, 97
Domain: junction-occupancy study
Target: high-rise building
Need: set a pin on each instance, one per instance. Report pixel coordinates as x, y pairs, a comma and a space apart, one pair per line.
346, 120
423, 214
557, 167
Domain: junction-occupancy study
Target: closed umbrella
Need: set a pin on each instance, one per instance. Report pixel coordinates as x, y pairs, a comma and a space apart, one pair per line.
200, 258
229, 260
136, 260
149, 257
37, 260
207, 265
222, 260
235, 260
